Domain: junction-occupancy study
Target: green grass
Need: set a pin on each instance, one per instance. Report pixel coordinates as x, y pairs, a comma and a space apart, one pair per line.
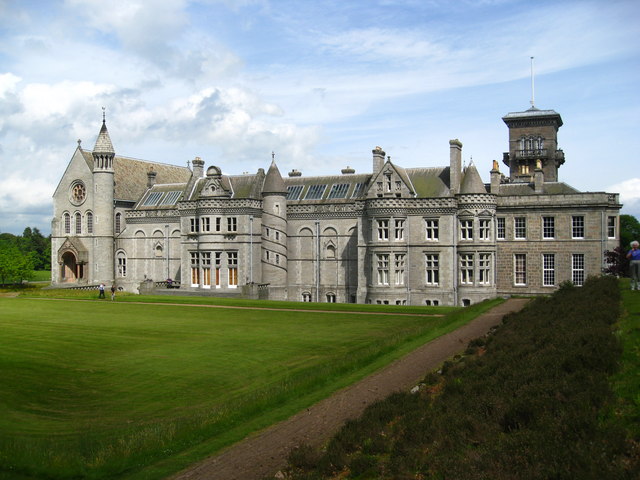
101, 389
626, 382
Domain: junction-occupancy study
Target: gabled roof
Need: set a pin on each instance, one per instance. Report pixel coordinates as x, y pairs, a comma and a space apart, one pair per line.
430, 182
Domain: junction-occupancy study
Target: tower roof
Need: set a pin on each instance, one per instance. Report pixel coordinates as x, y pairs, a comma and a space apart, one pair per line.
471, 182
533, 113
103, 143
273, 182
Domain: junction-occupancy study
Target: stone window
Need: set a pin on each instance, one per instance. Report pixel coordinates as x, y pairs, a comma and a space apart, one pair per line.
484, 268
466, 269
121, 264
484, 229
118, 226
232, 224
89, 222
195, 269
78, 223
383, 230
205, 263
232, 259
398, 264
466, 229
432, 269
67, 223
431, 230
383, 268
205, 224
331, 297
399, 230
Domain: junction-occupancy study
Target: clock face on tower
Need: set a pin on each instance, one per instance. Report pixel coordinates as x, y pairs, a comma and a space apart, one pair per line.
78, 192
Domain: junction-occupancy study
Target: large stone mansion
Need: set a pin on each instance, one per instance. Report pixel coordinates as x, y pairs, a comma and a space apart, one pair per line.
403, 236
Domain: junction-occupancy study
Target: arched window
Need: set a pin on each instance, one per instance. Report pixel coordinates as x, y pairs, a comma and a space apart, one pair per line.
89, 222
67, 223
306, 296
78, 219
118, 225
158, 250
331, 297
121, 264
331, 251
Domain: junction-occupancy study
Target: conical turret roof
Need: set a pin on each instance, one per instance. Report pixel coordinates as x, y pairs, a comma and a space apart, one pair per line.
472, 183
103, 143
273, 182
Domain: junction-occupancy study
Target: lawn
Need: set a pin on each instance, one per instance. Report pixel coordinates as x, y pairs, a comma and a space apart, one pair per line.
101, 389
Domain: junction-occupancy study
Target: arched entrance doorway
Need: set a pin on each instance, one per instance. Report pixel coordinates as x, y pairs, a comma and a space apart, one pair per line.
71, 270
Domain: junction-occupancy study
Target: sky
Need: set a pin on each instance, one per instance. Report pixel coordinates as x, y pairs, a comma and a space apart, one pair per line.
318, 83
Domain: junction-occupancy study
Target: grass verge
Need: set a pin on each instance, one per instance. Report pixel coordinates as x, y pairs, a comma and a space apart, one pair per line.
103, 389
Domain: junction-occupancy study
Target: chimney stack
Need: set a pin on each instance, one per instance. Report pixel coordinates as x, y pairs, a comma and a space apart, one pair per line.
198, 167
495, 178
538, 177
151, 178
455, 165
378, 159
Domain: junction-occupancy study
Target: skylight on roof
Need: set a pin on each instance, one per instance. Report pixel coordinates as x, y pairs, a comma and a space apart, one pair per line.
171, 198
358, 190
338, 190
315, 192
152, 199
294, 191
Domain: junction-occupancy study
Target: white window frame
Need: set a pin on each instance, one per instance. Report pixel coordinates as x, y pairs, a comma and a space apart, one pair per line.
232, 224
611, 227
577, 269
548, 227
501, 228
519, 269
548, 269
577, 226
520, 228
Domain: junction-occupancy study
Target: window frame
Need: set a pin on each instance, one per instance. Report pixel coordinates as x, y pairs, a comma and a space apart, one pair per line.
548, 227
577, 227
520, 228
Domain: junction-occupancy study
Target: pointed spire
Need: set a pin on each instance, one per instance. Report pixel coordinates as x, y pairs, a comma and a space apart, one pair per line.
103, 143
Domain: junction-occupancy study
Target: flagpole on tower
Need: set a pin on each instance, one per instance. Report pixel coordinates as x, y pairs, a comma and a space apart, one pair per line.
532, 86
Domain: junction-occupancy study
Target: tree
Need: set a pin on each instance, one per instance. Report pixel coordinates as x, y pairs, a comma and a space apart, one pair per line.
629, 231
14, 265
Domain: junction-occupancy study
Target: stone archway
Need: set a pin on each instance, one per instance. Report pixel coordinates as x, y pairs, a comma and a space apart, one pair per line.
73, 259
70, 269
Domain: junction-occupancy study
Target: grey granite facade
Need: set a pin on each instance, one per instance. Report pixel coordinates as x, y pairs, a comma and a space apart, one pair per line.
405, 236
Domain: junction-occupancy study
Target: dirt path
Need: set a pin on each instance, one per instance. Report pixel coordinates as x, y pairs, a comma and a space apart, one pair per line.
263, 454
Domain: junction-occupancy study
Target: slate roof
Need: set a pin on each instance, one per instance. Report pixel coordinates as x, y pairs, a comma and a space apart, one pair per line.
130, 175
549, 188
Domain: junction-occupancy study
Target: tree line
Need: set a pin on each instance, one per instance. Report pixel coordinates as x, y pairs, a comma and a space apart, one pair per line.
20, 255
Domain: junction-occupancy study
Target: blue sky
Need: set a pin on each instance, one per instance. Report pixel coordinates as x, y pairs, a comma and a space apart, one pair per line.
320, 83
